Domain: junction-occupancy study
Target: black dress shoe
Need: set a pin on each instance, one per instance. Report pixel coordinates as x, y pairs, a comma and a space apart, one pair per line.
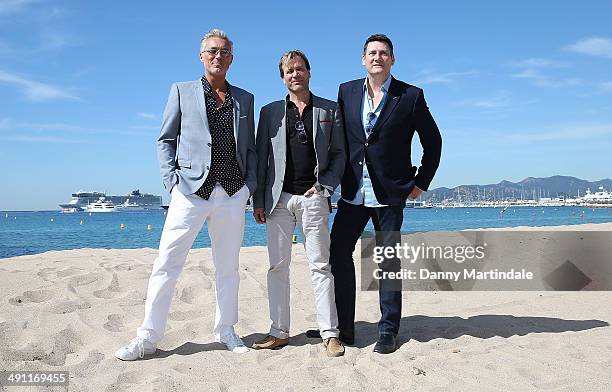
346, 338
313, 334
386, 344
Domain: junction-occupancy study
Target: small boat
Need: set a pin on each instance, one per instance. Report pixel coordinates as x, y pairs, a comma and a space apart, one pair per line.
129, 206
102, 205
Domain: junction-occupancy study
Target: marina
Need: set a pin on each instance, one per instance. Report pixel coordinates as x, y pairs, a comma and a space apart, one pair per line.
599, 199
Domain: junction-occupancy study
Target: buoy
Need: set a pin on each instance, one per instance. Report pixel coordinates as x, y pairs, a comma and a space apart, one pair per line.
149, 227
294, 239
122, 226
81, 222
51, 219
90, 214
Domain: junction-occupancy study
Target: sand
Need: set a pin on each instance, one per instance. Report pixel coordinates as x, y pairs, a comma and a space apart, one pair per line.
70, 310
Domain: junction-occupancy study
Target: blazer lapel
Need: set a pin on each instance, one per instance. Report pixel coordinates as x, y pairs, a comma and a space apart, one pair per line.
390, 104
280, 140
355, 103
316, 112
236, 113
199, 93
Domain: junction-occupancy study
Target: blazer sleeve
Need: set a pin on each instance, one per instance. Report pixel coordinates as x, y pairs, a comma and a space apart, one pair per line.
251, 171
168, 139
431, 140
263, 149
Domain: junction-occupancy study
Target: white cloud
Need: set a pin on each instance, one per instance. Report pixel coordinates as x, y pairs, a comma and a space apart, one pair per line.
566, 132
33, 90
428, 76
500, 100
606, 86
48, 41
538, 63
144, 127
7, 123
147, 116
541, 80
594, 46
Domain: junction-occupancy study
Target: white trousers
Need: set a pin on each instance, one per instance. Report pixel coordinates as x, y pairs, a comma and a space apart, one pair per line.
186, 216
311, 214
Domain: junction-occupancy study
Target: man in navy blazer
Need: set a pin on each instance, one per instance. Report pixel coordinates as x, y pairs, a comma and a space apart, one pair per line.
381, 115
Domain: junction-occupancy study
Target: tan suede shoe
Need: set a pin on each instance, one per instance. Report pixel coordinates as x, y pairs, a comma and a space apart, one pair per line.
333, 347
270, 342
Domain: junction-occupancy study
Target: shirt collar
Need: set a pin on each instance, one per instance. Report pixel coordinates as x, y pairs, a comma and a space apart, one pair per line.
208, 88
288, 101
384, 87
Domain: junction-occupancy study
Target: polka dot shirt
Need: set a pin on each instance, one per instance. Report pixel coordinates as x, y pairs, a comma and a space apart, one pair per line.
224, 168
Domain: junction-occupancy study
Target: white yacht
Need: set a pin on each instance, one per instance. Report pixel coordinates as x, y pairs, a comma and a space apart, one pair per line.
128, 206
601, 198
102, 205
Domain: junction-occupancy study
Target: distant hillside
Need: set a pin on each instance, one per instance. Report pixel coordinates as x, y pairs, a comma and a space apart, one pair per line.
529, 188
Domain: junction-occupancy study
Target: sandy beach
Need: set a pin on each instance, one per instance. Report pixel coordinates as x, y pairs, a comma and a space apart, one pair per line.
70, 310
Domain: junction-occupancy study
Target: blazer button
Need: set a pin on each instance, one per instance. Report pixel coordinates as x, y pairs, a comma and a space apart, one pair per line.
361, 163
366, 144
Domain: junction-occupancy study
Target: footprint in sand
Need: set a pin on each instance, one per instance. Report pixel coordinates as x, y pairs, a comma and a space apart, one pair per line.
114, 323
529, 374
133, 298
52, 274
35, 296
192, 294
111, 291
133, 381
66, 341
82, 280
87, 366
10, 331
68, 306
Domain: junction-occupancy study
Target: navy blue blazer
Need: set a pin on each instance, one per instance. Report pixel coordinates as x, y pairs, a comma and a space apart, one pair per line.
387, 150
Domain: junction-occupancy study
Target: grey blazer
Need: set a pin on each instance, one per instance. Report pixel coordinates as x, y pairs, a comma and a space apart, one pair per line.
329, 147
184, 144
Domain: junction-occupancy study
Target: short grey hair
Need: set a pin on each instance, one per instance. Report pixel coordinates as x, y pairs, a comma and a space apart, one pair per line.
215, 33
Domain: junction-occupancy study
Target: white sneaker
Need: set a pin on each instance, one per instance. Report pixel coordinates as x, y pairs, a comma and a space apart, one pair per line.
136, 349
233, 342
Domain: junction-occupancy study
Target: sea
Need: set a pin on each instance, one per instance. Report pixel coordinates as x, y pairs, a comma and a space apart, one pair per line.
32, 232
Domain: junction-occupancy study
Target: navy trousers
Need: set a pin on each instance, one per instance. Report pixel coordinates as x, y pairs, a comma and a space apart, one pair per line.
349, 223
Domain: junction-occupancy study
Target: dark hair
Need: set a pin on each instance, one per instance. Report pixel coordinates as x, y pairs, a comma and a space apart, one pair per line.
290, 55
379, 38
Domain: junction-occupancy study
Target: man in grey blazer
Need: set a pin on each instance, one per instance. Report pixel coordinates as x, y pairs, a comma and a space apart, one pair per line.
207, 157
300, 161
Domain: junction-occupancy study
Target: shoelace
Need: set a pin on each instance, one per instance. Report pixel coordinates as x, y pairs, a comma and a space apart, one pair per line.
138, 344
233, 340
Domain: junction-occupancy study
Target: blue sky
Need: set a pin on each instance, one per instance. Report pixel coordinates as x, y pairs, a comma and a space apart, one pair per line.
517, 88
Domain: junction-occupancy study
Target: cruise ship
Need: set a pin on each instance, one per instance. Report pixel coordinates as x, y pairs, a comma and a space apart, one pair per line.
80, 200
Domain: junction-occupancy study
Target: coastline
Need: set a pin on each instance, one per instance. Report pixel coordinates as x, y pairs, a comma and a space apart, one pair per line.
69, 310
